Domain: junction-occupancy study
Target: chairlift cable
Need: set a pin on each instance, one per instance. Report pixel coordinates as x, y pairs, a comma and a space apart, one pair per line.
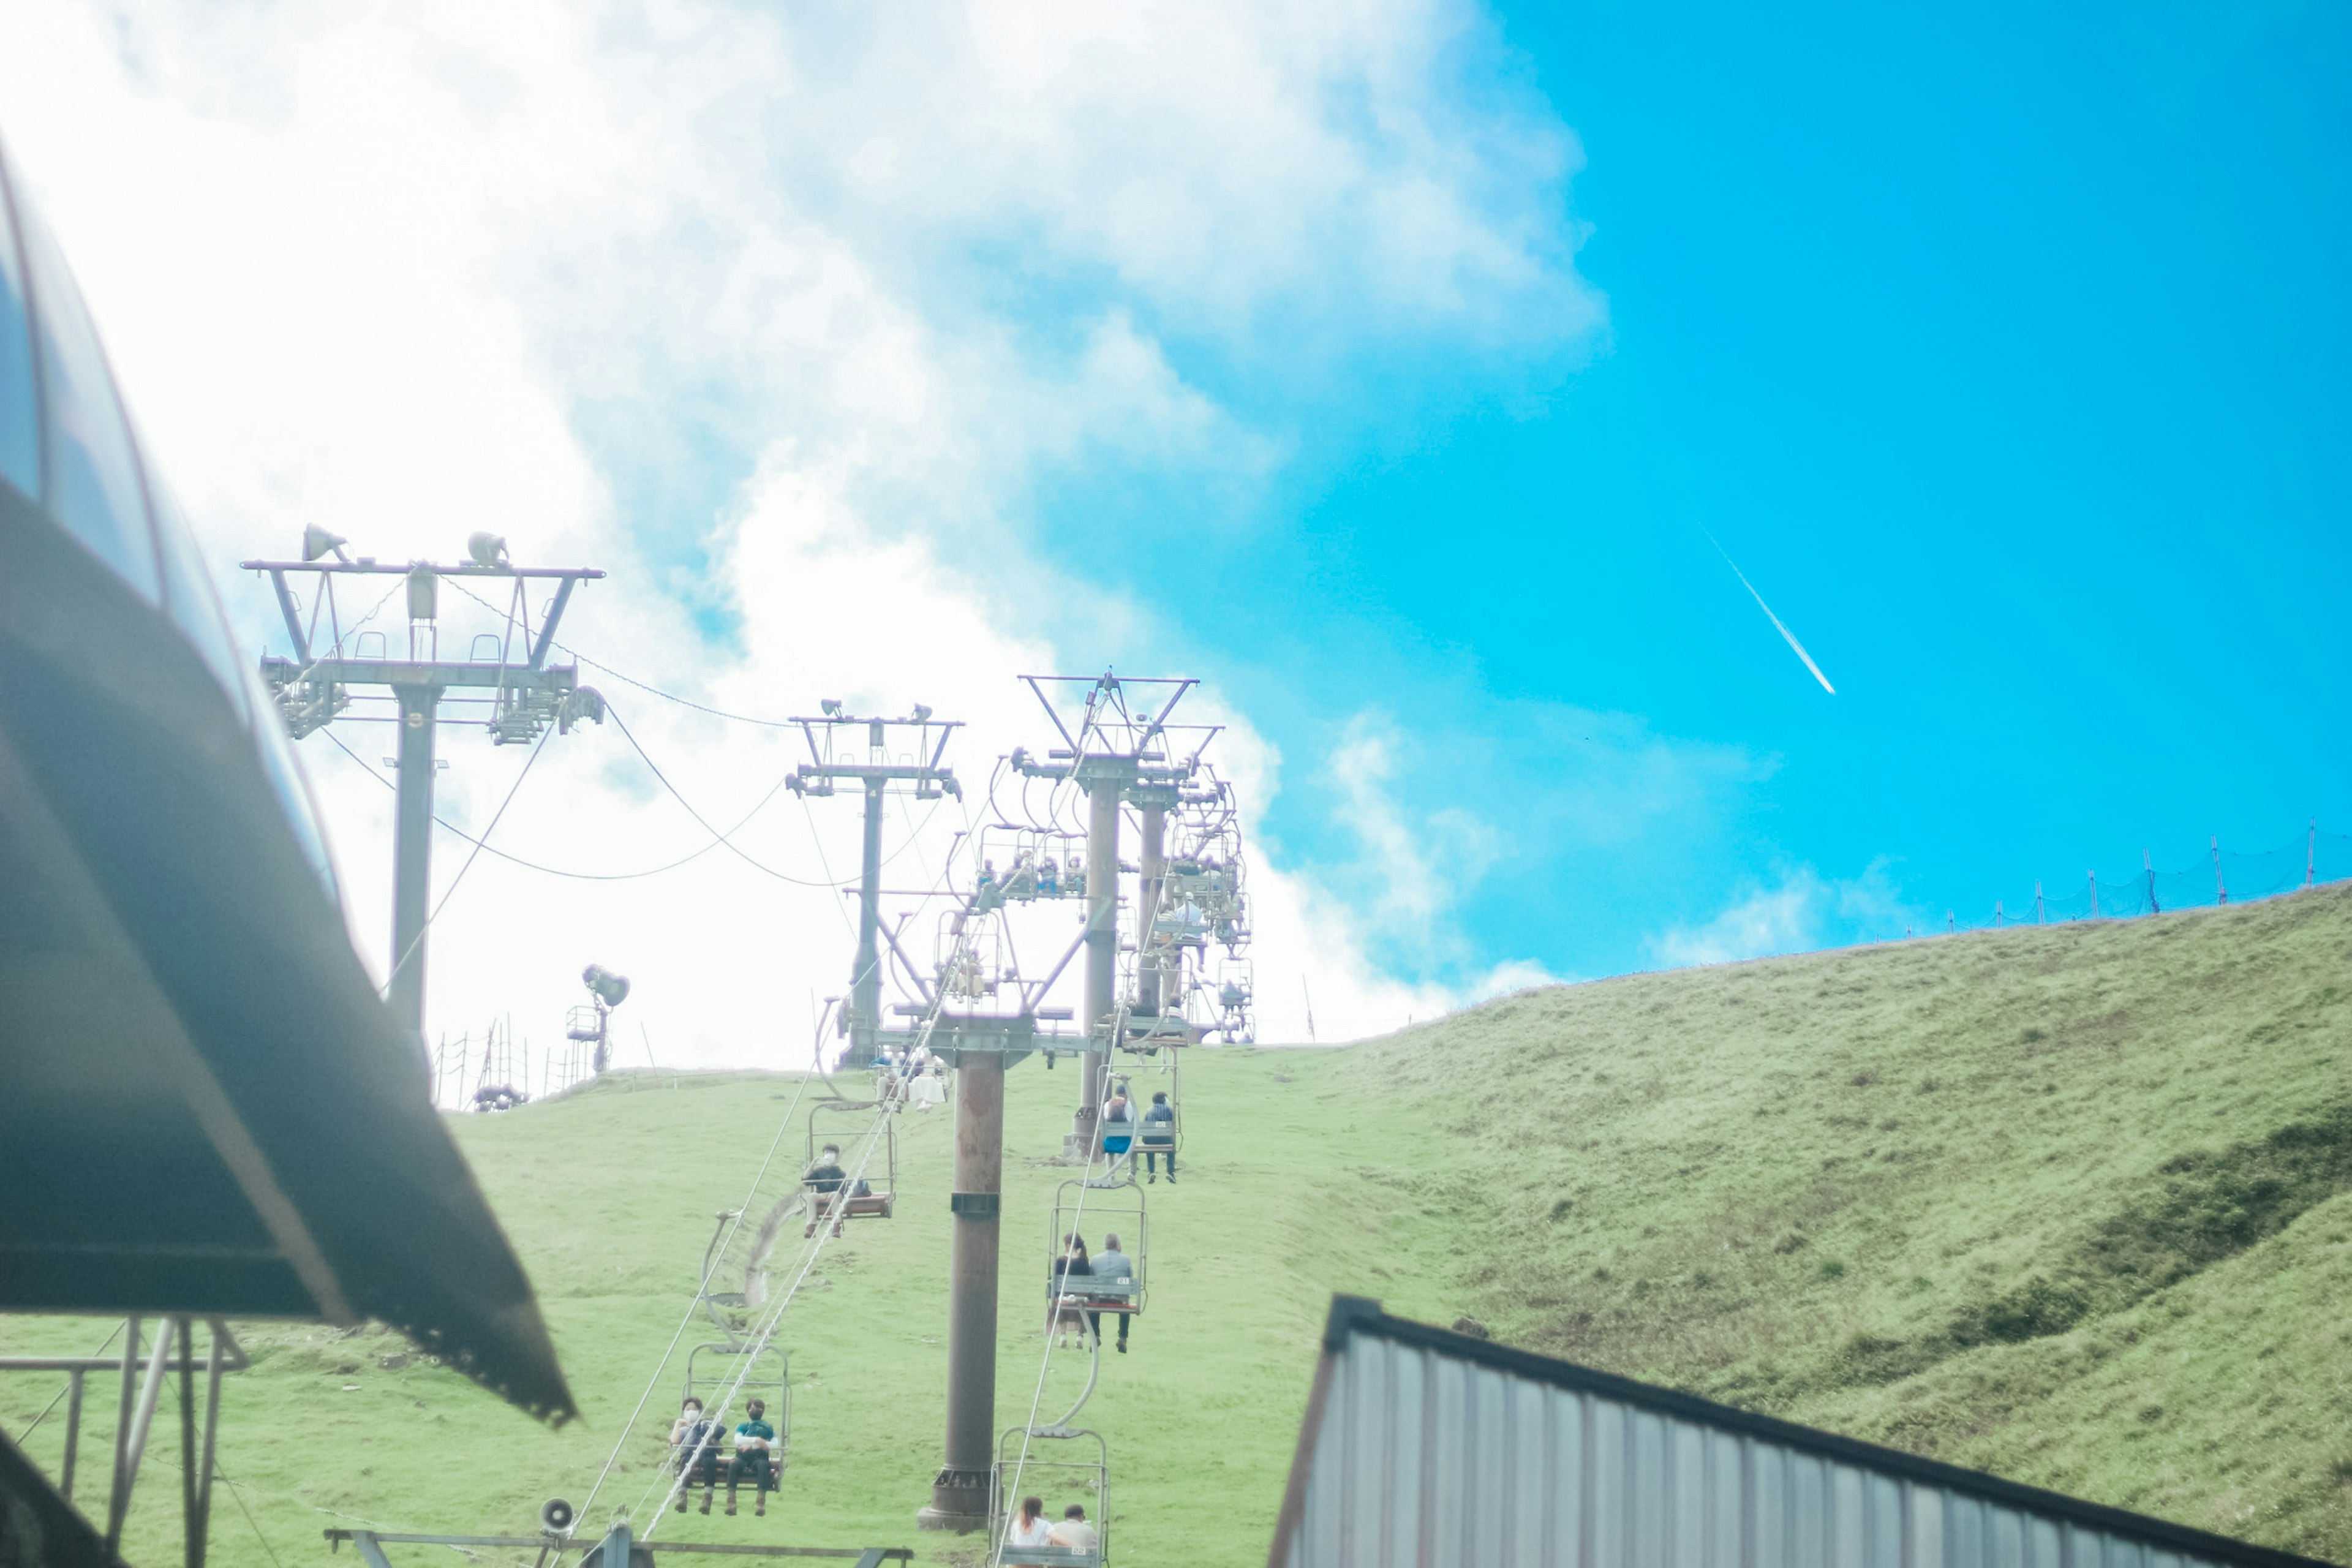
633, 681
61, 1393
714, 842
773, 1318
781, 1127
1045, 1364
734, 848
237, 1492
479, 844
460, 833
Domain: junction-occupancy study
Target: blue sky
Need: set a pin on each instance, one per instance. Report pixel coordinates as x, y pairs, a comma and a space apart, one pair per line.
1385, 366
2006, 351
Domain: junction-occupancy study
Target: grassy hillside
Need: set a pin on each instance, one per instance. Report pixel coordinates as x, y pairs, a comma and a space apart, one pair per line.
2071, 1205
609, 1197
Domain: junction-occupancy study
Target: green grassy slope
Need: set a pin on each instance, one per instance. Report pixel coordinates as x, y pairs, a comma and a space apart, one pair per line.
2074, 1205
2066, 1205
609, 1197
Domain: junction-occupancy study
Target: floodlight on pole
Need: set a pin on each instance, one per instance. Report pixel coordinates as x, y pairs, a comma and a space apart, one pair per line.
606, 991
610, 988
318, 542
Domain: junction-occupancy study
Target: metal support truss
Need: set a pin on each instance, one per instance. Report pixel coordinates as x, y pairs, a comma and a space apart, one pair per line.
617, 1547
142, 1379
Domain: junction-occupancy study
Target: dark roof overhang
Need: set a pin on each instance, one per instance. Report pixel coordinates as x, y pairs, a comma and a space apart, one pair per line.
204, 1107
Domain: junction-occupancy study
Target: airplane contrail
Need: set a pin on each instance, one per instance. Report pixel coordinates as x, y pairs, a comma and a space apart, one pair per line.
1761, 605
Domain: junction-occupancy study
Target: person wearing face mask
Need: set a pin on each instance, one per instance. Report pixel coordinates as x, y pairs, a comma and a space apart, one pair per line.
755, 1443
694, 1448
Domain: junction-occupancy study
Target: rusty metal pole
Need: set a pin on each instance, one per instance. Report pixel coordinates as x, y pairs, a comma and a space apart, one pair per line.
959, 1494
1103, 792
1153, 858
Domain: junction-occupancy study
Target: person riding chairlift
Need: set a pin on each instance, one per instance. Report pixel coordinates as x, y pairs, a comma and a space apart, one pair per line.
1069, 1315
1029, 1527
1119, 1128
824, 1181
1110, 1263
693, 1445
755, 1443
1159, 1137
1073, 1533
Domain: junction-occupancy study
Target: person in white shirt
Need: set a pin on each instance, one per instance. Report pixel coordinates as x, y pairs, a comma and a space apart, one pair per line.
1029, 1527
1073, 1533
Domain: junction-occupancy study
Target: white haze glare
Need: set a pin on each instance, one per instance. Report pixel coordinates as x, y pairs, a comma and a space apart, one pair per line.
384, 269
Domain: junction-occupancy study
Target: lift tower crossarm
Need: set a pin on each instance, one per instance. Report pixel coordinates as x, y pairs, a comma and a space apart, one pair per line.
311, 690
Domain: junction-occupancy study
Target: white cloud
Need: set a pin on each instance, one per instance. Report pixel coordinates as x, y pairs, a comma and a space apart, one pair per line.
1800, 912
412, 271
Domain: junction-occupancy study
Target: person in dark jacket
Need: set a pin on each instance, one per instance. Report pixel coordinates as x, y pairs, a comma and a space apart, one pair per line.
1159, 1137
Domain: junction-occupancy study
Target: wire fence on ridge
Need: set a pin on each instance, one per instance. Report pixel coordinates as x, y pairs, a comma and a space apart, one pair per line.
2223, 877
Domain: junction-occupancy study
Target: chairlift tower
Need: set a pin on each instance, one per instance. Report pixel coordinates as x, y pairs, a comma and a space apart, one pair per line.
834, 754
1119, 754
524, 694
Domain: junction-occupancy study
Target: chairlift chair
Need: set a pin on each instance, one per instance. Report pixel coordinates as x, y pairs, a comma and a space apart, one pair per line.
765, 1371
1079, 1472
842, 1206
1115, 1208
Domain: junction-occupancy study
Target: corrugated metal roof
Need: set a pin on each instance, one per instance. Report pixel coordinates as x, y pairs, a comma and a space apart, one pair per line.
1429, 1450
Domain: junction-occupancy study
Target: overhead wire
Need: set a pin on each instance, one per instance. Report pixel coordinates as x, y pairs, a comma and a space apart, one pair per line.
236, 1495
827, 1221
61, 1393
449, 893
633, 681
733, 1226
513, 858
1030, 1430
